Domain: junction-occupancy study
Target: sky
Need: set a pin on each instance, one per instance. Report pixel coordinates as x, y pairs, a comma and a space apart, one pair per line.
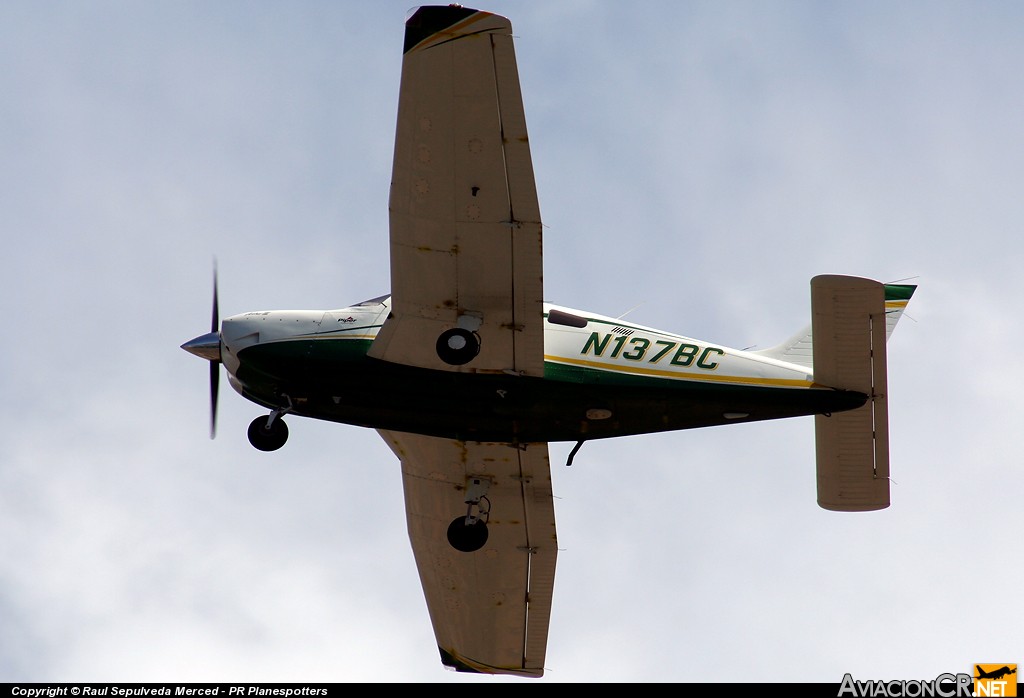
696, 162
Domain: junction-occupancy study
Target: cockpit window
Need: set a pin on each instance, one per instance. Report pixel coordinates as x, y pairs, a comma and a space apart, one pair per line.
560, 317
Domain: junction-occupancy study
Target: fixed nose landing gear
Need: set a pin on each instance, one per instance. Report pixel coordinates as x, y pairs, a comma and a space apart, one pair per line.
269, 433
468, 533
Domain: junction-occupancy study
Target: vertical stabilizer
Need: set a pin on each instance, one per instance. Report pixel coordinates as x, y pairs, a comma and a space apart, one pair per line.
799, 349
848, 316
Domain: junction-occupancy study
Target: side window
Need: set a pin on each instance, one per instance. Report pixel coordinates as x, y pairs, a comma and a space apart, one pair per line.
558, 317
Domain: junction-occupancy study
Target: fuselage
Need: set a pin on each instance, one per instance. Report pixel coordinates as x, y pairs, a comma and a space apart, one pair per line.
603, 377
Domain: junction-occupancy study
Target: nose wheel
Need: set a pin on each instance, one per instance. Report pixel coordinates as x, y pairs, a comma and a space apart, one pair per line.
268, 433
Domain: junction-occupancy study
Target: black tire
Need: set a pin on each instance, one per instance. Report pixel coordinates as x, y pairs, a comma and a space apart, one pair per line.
467, 539
268, 439
458, 346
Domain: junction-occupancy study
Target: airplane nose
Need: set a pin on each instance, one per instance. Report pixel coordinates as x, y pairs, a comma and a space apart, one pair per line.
206, 346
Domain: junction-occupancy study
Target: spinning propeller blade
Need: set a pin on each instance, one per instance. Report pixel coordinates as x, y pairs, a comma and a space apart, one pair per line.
214, 365
207, 347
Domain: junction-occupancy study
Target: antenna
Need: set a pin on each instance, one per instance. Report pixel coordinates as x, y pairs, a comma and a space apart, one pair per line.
630, 310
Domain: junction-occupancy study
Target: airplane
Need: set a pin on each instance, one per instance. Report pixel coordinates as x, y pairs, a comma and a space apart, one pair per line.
468, 374
995, 673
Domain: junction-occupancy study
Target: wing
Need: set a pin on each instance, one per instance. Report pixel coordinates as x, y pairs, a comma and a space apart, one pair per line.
490, 608
465, 223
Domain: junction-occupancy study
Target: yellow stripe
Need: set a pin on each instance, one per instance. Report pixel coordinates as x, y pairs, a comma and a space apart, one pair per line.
708, 378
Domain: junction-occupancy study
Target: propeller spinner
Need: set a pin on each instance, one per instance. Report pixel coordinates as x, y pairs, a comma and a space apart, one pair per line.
207, 347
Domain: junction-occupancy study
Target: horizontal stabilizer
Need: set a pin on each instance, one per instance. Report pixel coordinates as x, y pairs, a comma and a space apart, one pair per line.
849, 323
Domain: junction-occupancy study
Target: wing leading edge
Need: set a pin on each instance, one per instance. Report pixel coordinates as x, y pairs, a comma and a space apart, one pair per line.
466, 248
490, 609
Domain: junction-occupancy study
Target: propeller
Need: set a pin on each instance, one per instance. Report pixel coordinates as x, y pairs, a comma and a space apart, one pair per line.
214, 365
207, 347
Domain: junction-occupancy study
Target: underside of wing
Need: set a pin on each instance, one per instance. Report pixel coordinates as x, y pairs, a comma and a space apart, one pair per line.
466, 248
849, 319
490, 608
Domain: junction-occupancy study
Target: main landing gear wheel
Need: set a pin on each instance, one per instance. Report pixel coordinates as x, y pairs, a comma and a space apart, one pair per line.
458, 346
467, 534
266, 434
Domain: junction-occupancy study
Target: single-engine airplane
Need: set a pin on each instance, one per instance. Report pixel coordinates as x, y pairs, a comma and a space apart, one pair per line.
995, 674
468, 373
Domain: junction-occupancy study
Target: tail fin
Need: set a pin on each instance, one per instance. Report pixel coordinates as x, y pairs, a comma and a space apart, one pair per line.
799, 349
896, 298
849, 353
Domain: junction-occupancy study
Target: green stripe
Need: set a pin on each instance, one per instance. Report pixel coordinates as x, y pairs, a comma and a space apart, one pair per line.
567, 373
899, 292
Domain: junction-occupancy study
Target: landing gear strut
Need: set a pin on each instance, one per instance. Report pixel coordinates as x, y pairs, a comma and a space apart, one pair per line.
468, 533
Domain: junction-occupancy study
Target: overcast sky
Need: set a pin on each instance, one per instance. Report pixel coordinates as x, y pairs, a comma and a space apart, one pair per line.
696, 162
